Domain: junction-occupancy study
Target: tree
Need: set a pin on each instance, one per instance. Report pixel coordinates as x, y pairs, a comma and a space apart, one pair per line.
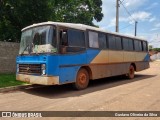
150, 47
78, 11
156, 49
17, 14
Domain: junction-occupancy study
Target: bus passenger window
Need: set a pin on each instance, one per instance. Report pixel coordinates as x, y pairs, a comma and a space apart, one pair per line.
112, 42
145, 46
130, 45
138, 45
63, 41
102, 40
93, 39
76, 38
125, 44
118, 43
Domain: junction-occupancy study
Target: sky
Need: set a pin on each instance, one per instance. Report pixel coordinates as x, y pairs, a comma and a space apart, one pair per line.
145, 12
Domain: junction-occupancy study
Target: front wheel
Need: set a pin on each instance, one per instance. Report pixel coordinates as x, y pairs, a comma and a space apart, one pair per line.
131, 72
82, 79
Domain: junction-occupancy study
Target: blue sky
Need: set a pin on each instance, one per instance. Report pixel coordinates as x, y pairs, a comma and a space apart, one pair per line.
146, 12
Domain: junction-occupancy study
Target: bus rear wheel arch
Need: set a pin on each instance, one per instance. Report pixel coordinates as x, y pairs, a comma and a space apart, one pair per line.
82, 79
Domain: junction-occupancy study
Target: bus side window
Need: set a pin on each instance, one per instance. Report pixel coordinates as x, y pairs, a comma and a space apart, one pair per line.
125, 44
93, 39
63, 41
130, 45
112, 42
145, 46
64, 38
102, 41
118, 43
138, 45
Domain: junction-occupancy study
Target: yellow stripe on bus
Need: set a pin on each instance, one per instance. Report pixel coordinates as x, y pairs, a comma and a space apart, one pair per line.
109, 56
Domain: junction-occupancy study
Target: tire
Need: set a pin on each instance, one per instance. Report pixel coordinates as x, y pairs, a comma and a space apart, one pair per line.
82, 79
131, 72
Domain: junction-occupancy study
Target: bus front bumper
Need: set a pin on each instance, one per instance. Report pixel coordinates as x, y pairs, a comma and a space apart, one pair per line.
42, 80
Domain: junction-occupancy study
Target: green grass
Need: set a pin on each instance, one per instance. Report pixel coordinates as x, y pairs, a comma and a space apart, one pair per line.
7, 80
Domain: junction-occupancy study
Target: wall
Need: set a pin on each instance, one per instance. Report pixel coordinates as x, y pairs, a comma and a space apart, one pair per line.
8, 53
155, 56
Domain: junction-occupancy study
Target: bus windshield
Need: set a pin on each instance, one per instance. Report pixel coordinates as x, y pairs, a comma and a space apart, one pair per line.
41, 39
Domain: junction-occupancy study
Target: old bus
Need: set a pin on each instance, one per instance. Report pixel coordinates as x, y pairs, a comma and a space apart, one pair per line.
54, 53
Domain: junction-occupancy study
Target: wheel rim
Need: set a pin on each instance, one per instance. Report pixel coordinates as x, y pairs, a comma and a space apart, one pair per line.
131, 71
82, 78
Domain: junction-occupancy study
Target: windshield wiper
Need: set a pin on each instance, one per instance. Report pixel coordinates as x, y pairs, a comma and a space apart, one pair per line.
24, 49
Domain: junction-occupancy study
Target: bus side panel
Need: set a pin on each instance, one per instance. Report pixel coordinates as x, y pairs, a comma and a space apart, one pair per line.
101, 71
92, 54
69, 66
142, 59
116, 56
53, 65
141, 66
140, 56
101, 57
68, 74
129, 56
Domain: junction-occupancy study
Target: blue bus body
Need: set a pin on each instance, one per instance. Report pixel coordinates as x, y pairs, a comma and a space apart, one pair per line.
60, 68
64, 66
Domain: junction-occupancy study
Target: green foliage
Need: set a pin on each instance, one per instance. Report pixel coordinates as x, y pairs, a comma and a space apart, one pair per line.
17, 14
150, 47
7, 80
156, 49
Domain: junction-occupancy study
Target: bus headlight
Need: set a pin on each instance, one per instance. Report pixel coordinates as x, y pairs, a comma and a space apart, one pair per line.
43, 68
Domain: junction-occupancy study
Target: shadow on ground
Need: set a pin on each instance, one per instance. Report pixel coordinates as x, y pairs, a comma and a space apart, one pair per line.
63, 91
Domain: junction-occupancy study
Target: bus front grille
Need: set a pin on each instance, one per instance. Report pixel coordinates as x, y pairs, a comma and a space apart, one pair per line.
30, 69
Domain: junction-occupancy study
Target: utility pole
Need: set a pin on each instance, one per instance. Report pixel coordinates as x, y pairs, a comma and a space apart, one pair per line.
136, 28
117, 16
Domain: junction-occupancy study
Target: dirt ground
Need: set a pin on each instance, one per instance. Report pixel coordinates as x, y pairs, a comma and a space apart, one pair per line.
109, 94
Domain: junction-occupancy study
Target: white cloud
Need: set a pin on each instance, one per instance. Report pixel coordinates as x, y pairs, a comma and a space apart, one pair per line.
142, 10
141, 16
154, 40
123, 19
154, 29
153, 5
112, 23
152, 19
109, 11
138, 16
133, 4
157, 25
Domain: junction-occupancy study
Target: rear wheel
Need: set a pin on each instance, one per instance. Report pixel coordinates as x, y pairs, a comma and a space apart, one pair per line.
131, 72
82, 79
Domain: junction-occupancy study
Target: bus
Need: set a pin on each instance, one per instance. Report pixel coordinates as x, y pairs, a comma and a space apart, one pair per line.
56, 53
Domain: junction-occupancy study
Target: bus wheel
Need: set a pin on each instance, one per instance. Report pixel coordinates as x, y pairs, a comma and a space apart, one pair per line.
82, 79
131, 72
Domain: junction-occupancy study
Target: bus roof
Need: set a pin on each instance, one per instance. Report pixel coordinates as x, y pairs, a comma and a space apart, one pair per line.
80, 27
